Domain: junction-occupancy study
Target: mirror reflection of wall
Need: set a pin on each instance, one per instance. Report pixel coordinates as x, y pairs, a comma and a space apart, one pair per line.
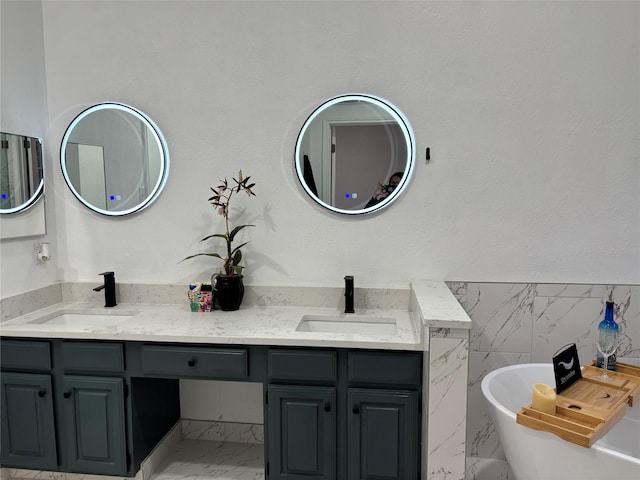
349, 147
21, 172
114, 159
22, 212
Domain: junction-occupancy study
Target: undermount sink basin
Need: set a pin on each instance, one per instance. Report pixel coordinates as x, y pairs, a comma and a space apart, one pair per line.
80, 319
348, 324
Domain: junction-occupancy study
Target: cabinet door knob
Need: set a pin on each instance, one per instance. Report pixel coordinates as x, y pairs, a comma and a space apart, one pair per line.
191, 362
356, 409
66, 394
42, 393
327, 407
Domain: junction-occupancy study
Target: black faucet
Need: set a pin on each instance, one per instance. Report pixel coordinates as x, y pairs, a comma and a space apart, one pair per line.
348, 294
109, 286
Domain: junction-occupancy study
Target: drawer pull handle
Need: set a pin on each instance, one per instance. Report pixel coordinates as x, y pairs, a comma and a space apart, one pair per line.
356, 409
327, 407
66, 394
191, 362
42, 393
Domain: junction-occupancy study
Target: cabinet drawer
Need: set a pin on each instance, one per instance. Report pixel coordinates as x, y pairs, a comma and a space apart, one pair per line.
307, 365
221, 363
93, 356
385, 368
25, 354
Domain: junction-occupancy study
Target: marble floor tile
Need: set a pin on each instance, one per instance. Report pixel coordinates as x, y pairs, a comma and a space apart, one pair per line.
22, 474
208, 460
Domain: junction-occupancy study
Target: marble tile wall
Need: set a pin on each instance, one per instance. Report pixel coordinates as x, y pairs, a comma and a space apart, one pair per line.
522, 323
445, 424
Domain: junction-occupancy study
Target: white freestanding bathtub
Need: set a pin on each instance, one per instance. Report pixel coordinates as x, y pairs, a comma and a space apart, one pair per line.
536, 455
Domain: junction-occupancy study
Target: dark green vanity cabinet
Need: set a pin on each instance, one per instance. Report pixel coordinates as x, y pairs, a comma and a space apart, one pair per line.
93, 406
302, 432
301, 419
68, 418
338, 414
95, 424
384, 414
100, 407
28, 427
28, 432
383, 434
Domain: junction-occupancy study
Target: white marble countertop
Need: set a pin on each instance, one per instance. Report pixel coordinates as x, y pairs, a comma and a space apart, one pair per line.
437, 307
175, 323
432, 305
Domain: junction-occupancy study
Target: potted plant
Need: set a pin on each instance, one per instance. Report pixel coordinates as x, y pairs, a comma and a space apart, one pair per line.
228, 283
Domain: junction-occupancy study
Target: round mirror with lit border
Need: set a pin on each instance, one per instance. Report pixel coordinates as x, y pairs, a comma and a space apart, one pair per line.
114, 159
21, 172
355, 154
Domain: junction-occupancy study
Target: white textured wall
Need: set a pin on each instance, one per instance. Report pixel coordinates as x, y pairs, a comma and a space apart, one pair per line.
531, 110
23, 110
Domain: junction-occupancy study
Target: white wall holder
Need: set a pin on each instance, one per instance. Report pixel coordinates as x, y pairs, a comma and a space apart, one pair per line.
44, 252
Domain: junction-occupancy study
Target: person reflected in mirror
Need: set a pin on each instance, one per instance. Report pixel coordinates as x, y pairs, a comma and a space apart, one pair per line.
383, 191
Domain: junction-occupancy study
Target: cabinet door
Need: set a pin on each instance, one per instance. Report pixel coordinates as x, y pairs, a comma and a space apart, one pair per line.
302, 432
28, 434
383, 434
95, 424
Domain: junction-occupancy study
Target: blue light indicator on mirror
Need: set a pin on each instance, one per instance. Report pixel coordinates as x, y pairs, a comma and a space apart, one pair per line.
112, 197
4, 196
347, 195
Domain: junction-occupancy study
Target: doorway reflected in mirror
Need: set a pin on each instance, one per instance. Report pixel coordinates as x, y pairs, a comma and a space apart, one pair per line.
114, 159
349, 150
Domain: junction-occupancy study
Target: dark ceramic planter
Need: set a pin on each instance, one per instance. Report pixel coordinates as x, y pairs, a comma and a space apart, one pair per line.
229, 292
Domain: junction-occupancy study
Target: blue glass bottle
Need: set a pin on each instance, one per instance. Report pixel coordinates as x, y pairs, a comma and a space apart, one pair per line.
607, 326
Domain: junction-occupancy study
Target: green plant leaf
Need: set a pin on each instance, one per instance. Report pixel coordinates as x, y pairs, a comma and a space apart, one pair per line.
236, 230
238, 269
237, 249
237, 257
216, 255
218, 235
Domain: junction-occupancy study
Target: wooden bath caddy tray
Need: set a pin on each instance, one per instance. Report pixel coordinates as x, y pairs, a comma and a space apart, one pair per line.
590, 407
